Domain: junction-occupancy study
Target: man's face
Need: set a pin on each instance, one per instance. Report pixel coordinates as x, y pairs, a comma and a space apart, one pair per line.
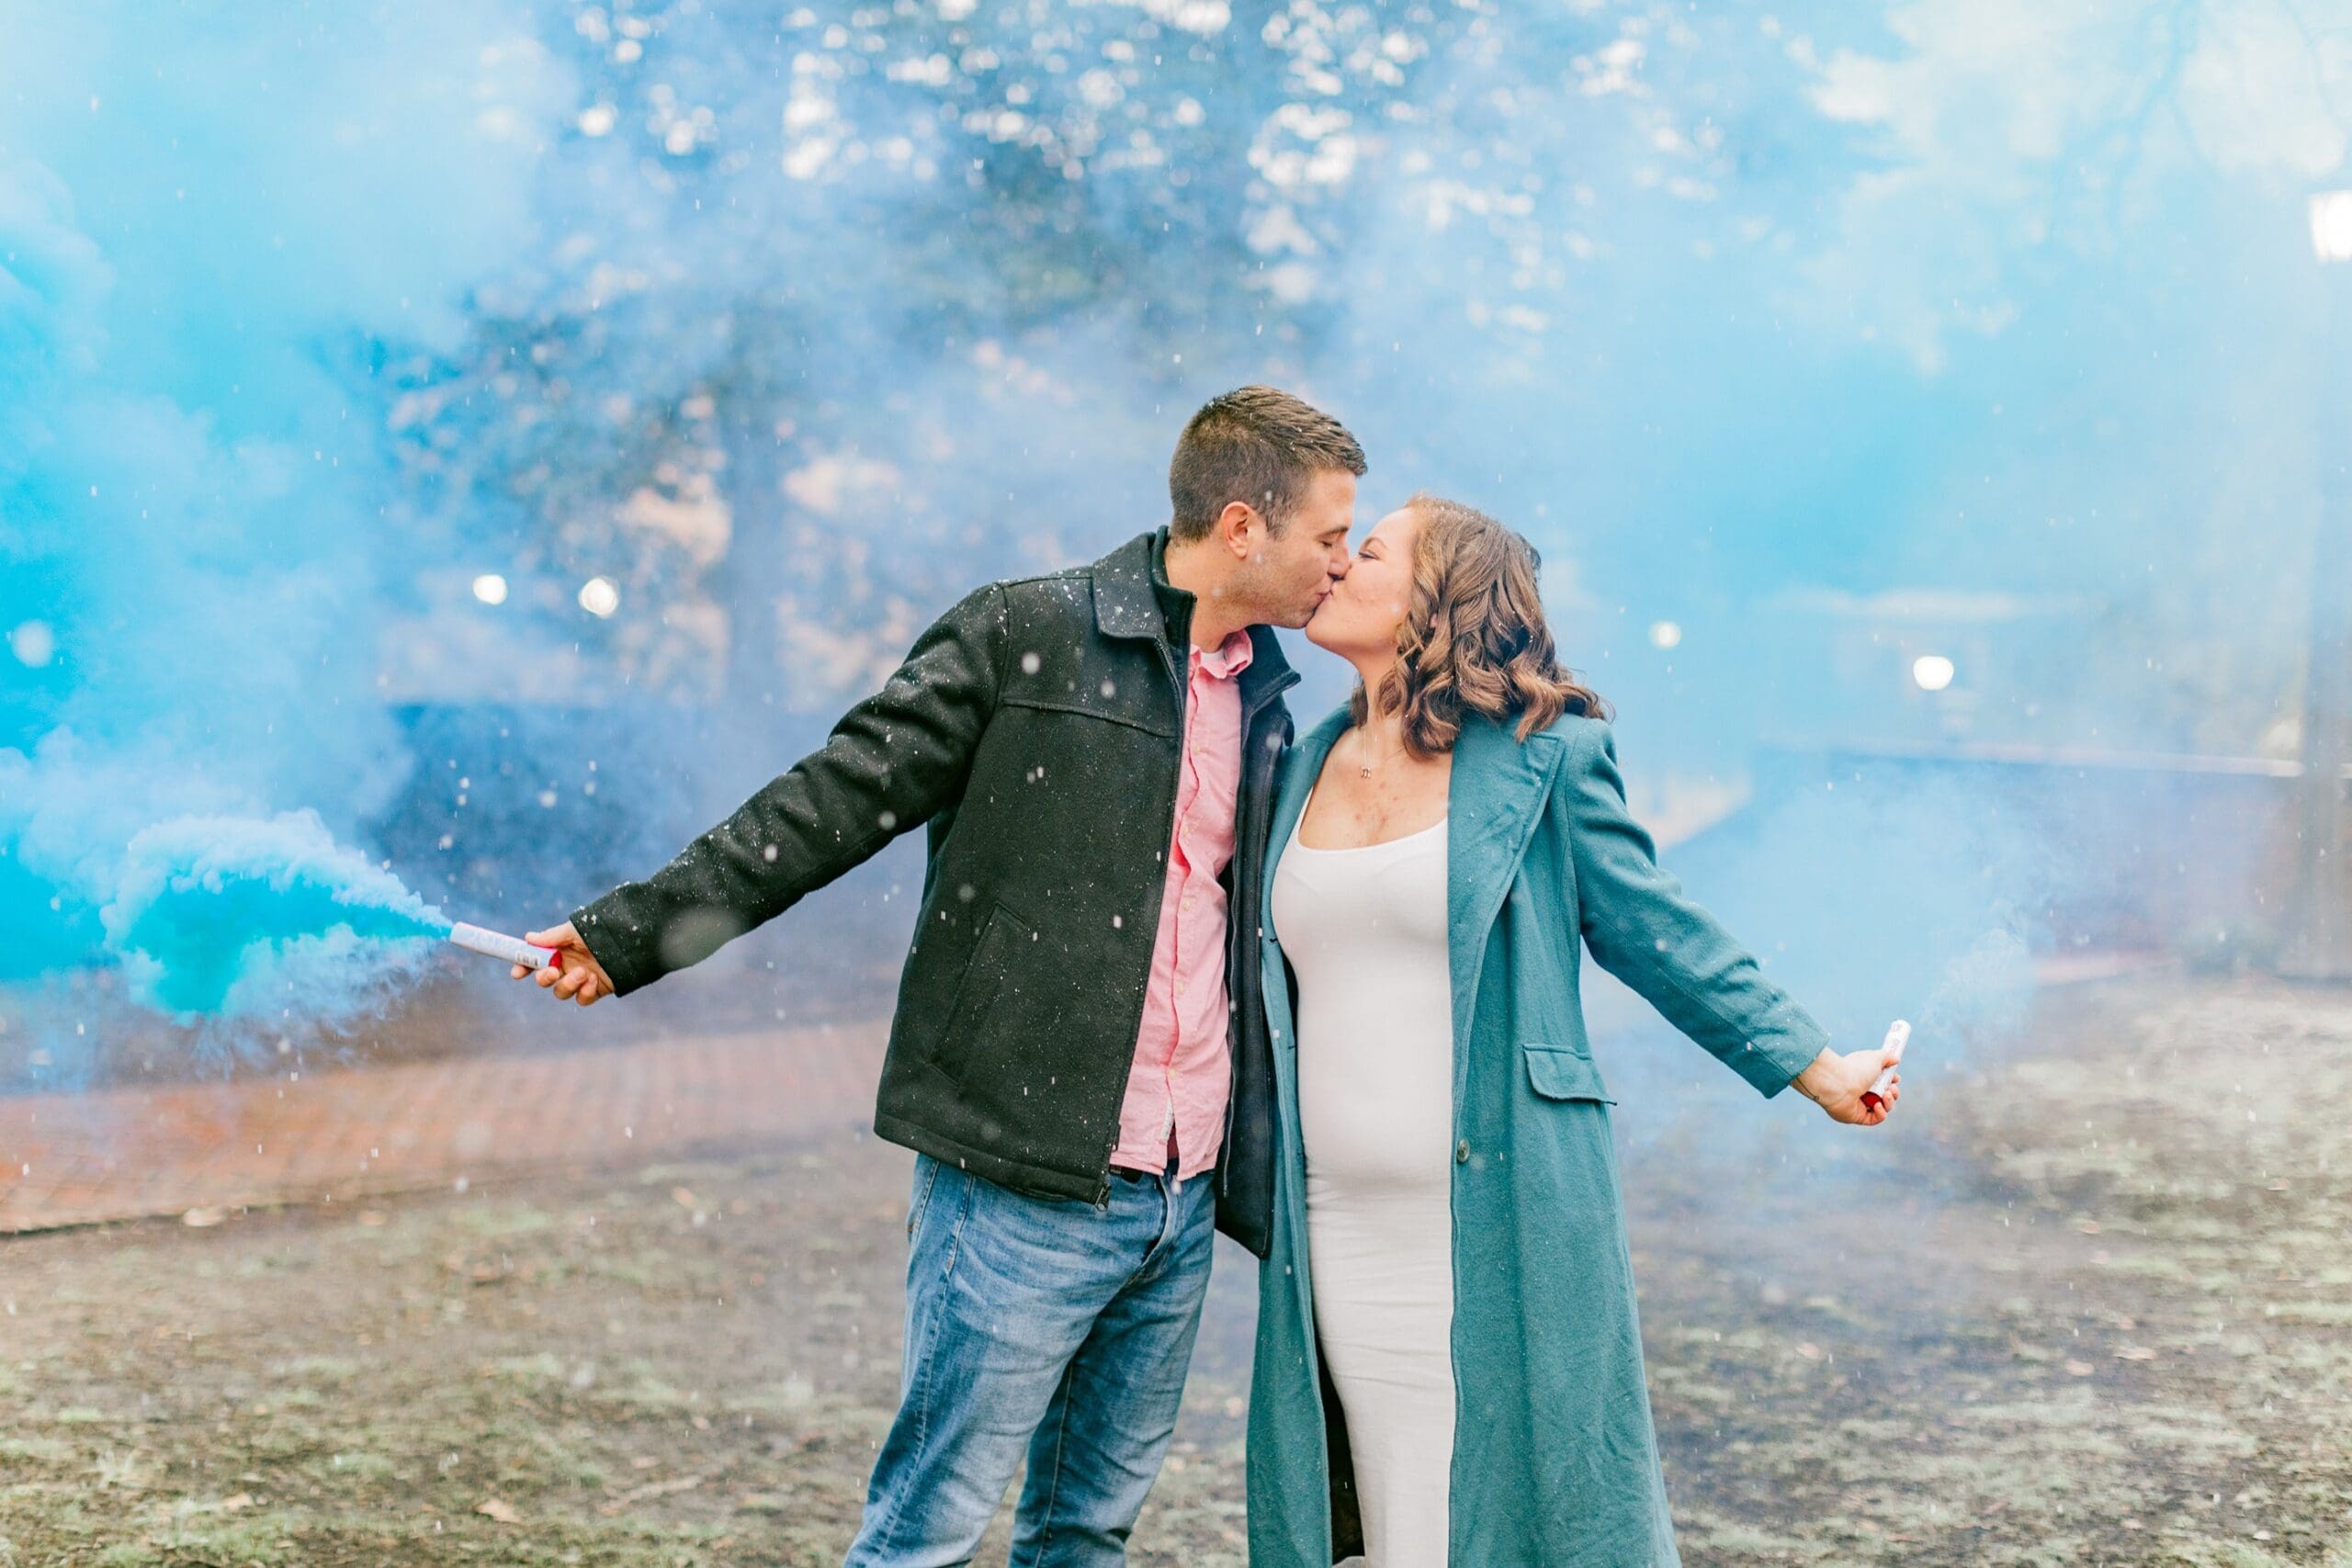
1295, 571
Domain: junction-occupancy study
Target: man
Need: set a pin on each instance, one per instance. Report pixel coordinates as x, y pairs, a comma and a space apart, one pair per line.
1079, 1055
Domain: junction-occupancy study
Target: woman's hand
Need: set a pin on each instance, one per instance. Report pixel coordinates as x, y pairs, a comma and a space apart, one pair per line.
575, 976
1835, 1084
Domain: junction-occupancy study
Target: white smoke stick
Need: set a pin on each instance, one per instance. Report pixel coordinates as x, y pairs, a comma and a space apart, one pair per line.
1898, 1035
497, 944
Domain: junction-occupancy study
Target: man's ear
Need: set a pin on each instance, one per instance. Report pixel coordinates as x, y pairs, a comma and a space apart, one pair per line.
1234, 529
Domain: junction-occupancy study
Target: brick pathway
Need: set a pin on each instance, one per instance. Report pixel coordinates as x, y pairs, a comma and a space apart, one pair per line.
193, 1149
130, 1152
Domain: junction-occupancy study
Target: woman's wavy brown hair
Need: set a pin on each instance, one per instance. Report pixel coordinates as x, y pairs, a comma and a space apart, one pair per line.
1474, 637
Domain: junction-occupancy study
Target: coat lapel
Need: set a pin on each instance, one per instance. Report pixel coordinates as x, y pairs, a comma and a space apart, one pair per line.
1498, 790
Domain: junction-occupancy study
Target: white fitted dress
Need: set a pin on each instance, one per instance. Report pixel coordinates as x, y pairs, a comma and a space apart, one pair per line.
1365, 931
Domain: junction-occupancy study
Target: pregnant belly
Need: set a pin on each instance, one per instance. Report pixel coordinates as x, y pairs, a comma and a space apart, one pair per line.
1376, 1106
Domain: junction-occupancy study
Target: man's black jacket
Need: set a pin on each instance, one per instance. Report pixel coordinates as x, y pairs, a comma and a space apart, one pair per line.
1034, 729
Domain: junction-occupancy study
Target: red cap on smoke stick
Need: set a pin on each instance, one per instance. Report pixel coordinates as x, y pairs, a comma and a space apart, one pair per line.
1898, 1035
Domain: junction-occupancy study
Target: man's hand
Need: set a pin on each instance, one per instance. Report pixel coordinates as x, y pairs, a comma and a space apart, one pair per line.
1835, 1084
576, 976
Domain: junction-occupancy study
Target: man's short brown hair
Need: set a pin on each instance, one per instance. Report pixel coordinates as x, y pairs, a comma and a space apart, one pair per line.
1256, 444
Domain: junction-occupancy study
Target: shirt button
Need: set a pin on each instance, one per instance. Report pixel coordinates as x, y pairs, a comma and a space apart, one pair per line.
1461, 1152
1188, 904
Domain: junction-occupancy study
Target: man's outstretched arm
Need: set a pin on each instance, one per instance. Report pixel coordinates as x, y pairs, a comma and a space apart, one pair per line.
891, 764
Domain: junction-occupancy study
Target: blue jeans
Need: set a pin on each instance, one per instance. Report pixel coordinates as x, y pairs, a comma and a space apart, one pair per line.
1044, 1327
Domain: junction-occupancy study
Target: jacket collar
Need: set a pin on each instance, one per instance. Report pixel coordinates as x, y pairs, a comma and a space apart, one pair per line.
1133, 598
1127, 584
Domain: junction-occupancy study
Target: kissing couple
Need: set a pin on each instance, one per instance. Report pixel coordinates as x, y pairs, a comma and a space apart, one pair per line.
1177, 970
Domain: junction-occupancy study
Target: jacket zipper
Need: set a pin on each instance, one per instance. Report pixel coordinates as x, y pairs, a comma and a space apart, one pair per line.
1176, 690
1232, 1070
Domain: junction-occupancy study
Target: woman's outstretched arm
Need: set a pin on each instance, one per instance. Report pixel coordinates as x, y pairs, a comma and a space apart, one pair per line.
1679, 958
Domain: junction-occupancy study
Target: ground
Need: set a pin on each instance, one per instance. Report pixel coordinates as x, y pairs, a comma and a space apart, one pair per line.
2089, 1300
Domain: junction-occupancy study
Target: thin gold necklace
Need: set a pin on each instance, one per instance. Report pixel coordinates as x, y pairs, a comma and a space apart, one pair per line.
1364, 768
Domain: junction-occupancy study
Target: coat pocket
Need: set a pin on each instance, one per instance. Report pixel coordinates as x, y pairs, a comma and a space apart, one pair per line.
1558, 1073
1001, 952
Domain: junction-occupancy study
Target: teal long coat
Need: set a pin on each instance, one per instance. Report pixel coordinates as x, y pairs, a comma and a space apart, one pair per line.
1555, 1462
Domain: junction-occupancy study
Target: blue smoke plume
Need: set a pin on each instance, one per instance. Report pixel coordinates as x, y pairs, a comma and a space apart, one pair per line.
210, 221
373, 376
234, 917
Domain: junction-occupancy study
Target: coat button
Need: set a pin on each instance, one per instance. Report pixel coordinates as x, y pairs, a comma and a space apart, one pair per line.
1461, 1152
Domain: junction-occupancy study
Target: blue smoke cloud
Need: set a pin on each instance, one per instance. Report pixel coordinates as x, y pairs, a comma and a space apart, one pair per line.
1802, 343
207, 222
234, 917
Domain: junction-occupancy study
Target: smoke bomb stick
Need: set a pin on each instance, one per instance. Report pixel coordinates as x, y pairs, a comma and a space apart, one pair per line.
497, 944
1898, 1035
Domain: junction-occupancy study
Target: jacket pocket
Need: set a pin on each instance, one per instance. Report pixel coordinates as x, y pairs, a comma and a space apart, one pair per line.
994, 961
1558, 1073
1107, 710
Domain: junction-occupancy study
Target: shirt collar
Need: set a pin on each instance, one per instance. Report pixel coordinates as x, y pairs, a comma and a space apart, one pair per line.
1230, 658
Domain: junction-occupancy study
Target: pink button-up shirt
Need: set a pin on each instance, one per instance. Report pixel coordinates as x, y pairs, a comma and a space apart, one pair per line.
1177, 1088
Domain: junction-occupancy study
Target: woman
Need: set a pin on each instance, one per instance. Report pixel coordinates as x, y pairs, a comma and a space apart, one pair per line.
1449, 1369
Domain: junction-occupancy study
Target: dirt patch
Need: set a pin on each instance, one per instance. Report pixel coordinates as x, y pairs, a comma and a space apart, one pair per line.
686, 1364
2101, 1318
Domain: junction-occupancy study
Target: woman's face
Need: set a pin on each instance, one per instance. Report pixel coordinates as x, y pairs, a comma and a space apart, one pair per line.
1367, 607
